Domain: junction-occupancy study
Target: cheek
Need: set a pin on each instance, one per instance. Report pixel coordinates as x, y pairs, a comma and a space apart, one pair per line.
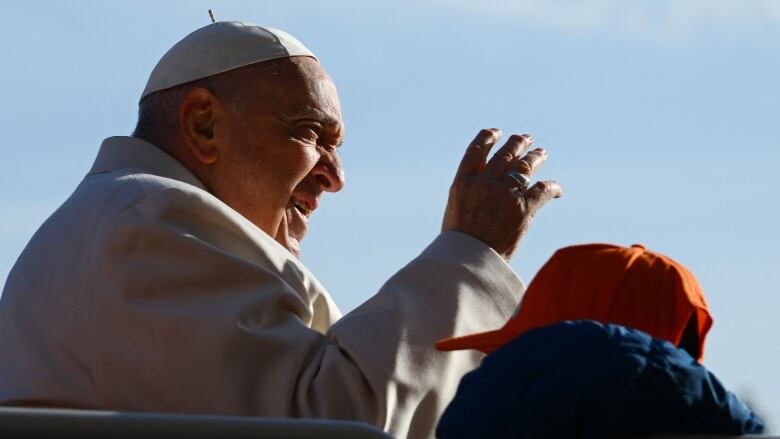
301, 163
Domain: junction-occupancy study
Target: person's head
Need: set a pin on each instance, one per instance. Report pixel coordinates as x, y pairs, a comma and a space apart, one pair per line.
629, 286
262, 138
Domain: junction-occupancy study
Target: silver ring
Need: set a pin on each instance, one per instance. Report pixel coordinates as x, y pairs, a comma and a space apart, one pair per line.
522, 180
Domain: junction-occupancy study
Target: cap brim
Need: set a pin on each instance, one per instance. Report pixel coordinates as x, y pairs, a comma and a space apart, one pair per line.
486, 342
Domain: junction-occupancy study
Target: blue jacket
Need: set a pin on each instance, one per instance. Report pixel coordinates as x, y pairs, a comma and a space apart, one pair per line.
585, 379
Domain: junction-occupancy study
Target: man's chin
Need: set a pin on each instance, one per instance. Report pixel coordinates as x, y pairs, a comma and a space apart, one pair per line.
291, 244
292, 230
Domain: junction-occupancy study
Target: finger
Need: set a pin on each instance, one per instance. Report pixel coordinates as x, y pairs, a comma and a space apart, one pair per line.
542, 192
474, 160
514, 147
529, 163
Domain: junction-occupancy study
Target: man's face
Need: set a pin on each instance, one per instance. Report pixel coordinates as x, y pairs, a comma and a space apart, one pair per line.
282, 151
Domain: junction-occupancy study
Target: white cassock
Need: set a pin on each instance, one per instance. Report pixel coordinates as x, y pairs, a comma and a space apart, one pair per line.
144, 292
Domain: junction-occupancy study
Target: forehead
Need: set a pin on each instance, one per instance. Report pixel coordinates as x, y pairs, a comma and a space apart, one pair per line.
299, 87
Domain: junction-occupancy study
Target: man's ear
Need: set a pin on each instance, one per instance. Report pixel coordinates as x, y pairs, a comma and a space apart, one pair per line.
199, 112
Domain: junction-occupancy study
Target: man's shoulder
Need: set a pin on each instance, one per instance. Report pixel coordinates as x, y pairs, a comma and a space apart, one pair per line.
129, 170
127, 188
142, 200
107, 202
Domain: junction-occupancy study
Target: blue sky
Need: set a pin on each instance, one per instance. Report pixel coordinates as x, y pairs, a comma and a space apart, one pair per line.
660, 118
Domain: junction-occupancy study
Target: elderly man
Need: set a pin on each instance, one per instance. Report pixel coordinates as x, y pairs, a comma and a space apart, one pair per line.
169, 281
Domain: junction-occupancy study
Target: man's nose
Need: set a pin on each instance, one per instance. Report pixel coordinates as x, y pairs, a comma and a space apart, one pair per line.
329, 173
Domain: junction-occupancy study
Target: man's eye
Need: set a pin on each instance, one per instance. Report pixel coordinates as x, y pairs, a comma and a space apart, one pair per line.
306, 133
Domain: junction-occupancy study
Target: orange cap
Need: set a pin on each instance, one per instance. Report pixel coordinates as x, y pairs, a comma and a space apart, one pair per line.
628, 286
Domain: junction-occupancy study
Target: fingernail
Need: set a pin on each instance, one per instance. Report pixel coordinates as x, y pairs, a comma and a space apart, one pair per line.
560, 189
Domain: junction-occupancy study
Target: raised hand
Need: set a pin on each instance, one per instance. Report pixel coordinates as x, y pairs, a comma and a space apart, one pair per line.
485, 200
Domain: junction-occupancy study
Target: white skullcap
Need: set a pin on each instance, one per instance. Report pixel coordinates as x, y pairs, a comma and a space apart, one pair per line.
219, 47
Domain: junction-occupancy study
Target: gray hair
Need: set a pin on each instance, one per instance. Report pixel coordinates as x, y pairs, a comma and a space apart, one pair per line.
158, 112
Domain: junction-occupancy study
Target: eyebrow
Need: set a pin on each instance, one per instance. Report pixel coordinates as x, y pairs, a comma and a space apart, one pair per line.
314, 113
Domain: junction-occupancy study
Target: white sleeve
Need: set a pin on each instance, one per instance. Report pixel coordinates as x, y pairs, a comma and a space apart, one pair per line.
193, 311
457, 286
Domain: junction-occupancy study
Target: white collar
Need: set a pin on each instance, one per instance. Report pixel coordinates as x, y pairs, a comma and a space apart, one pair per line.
122, 152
